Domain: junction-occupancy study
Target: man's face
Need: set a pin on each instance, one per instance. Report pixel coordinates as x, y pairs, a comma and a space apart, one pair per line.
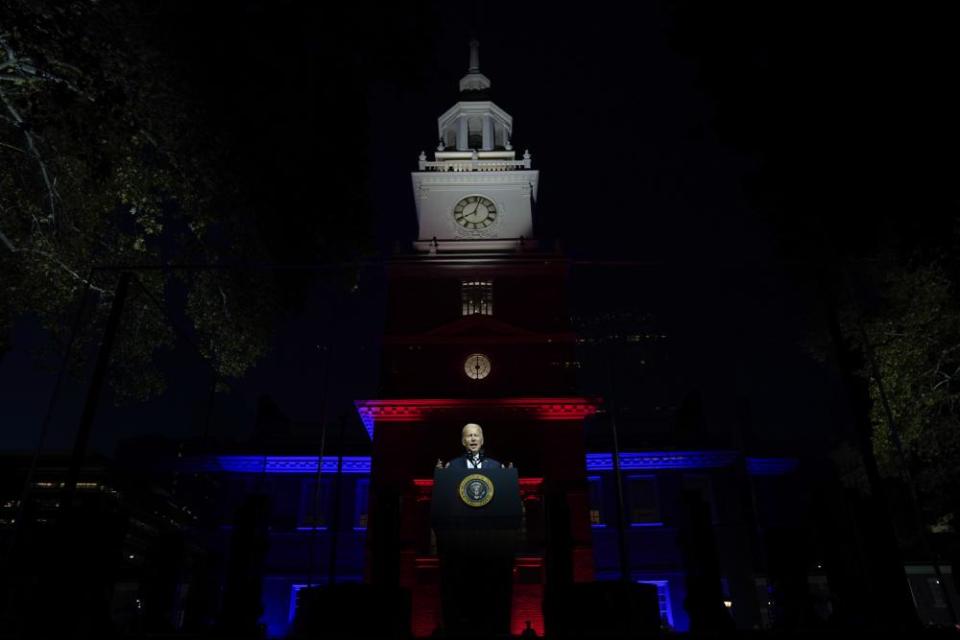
472, 438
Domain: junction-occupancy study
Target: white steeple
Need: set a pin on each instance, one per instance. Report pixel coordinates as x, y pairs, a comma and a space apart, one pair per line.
474, 80
475, 194
475, 122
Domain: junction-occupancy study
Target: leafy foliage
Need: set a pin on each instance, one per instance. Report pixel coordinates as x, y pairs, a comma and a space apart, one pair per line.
107, 162
914, 336
868, 197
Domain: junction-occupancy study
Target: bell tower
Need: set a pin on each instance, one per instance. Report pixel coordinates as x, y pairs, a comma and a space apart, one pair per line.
477, 330
475, 194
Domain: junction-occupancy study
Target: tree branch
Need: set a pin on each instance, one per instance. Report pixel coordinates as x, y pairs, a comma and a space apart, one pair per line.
11, 56
223, 297
10, 146
945, 380
64, 267
6, 241
36, 224
27, 70
36, 154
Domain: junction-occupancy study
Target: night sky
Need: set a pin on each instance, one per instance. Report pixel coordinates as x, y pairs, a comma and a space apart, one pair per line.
693, 160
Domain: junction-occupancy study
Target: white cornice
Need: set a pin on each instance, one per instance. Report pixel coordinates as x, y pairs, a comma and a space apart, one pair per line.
457, 245
466, 178
473, 108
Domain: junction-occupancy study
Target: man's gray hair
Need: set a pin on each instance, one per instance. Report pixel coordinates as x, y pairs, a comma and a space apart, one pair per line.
470, 424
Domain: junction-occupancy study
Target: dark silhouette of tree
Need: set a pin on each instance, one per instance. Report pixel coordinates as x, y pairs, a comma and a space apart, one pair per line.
147, 133
162, 575
242, 604
704, 601
806, 91
910, 338
108, 162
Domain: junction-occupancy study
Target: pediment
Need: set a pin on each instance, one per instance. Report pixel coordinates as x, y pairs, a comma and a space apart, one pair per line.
478, 325
480, 330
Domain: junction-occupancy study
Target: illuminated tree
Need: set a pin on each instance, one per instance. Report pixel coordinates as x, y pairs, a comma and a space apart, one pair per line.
107, 162
912, 334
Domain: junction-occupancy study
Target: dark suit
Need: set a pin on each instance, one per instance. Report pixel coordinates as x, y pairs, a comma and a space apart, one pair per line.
487, 463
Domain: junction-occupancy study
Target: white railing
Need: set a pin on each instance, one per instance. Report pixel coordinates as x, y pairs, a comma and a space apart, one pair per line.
474, 165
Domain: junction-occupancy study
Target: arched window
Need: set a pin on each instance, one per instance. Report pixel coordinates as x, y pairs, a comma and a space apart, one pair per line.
476, 297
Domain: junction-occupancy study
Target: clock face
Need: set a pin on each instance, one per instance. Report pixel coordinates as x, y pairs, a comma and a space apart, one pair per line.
475, 212
477, 366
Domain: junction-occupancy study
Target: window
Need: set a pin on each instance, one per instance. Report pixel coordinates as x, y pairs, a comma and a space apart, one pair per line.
476, 297
361, 501
643, 508
596, 501
314, 505
703, 487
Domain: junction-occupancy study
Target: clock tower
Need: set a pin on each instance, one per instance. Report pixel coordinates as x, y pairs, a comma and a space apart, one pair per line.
477, 331
475, 194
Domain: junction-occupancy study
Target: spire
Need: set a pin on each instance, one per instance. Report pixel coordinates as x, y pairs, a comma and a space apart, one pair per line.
474, 56
474, 80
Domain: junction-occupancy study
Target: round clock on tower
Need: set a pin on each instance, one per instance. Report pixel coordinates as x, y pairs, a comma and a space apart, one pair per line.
475, 212
477, 366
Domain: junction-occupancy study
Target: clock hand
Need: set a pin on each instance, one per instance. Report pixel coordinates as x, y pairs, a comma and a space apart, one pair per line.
468, 215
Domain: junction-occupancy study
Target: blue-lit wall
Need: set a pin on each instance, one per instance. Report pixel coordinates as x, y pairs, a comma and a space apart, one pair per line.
653, 548
743, 494
300, 545
300, 519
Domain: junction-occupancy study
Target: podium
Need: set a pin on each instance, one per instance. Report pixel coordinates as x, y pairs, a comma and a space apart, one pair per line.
476, 515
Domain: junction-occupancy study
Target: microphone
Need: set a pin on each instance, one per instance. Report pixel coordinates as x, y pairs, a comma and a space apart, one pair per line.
479, 456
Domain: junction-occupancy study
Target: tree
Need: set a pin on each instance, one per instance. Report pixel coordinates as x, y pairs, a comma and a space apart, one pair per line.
108, 162
838, 194
911, 333
807, 89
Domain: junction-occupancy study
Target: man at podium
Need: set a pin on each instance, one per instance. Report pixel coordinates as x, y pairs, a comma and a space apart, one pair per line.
476, 514
471, 437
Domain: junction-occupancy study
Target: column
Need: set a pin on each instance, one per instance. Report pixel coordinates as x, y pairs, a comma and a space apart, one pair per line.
462, 133
488, 133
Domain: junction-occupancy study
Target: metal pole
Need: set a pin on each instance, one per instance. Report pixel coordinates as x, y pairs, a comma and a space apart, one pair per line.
621, 505
325, 389
45, 425
334, 528
318, 482
93, 394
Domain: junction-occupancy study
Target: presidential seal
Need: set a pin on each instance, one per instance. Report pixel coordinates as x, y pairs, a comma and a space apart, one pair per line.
476, 490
